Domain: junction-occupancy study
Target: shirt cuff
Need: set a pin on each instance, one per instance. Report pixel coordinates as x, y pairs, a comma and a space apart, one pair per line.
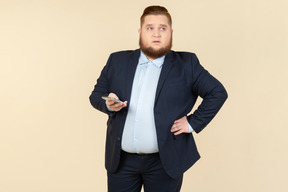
190, 128
109, 109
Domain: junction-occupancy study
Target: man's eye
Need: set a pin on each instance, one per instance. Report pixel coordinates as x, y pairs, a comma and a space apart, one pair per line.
149, 28
163, 29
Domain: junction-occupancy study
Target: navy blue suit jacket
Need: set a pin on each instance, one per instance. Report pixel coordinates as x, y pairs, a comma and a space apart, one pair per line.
181, 81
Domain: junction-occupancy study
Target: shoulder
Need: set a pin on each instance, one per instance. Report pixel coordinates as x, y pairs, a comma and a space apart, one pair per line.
183, 56
125, 53
121, 59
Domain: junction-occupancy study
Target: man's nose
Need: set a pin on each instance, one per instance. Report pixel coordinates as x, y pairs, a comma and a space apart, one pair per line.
156, 33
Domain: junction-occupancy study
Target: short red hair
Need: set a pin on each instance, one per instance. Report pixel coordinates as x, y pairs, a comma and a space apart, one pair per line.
155, 10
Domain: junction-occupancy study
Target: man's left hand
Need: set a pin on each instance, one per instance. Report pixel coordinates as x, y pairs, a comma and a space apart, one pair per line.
180, 126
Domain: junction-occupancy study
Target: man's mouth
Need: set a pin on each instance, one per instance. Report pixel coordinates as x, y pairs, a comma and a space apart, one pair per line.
156, 42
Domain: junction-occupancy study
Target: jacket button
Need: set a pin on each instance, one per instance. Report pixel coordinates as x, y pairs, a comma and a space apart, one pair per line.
118, 139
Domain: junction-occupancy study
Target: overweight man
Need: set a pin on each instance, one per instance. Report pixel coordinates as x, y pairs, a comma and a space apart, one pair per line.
148, 94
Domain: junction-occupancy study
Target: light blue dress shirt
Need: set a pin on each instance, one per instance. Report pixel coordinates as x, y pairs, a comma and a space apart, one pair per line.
139, 135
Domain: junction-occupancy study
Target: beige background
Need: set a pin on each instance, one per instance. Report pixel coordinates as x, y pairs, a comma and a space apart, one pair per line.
52, 51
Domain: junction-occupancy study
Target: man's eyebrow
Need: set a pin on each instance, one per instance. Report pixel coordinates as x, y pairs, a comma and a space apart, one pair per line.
149, 25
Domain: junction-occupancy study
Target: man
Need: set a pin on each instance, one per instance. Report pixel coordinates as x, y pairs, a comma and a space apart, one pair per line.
149, 135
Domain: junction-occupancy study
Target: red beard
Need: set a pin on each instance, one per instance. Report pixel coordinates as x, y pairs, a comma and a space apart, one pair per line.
152, 53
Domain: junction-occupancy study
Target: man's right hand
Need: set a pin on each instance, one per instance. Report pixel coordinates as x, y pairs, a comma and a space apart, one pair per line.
114, 106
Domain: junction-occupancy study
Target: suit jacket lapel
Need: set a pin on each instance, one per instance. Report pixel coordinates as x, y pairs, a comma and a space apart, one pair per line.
167, 65
132, 65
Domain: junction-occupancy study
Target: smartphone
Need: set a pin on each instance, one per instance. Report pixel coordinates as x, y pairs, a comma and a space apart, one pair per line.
112, 99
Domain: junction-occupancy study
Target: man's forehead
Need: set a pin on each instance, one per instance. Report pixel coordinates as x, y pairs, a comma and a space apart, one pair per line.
156, 20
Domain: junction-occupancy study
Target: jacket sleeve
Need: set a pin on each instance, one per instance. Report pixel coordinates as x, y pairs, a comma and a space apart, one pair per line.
102, 89
211, 91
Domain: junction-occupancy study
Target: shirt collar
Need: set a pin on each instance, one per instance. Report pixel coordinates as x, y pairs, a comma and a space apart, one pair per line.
157, 62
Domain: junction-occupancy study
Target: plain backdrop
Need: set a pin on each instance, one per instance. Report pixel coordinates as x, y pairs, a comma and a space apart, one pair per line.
52, 52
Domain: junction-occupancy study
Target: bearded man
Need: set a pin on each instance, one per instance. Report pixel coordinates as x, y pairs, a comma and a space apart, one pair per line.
149, 139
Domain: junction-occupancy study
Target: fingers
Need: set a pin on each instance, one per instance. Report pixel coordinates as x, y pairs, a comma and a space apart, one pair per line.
180, 126
115, 106
177, 129
113, 95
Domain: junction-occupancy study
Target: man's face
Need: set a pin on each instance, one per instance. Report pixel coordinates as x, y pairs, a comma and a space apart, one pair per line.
155, 36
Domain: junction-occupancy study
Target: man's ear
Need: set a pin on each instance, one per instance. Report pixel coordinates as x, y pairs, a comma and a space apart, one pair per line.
139, 30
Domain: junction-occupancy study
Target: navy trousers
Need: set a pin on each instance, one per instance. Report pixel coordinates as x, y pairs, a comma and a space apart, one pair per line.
137, 170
